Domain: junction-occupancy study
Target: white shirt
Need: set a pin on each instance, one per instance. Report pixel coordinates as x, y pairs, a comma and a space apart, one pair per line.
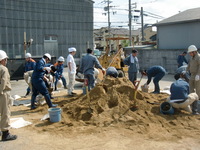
70, 59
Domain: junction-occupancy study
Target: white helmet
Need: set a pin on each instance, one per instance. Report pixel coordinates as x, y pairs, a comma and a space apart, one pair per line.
3, 55
72, 49
48, 55
59, 83
61, 59
192, 48
28, 55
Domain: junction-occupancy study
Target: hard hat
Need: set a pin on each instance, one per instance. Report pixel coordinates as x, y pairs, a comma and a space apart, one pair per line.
72, 49
61, 59
48, 55
192, 48
28, 55
3, 55
59, 83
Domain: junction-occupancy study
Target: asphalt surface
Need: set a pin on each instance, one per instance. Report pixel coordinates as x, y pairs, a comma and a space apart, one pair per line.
19, 87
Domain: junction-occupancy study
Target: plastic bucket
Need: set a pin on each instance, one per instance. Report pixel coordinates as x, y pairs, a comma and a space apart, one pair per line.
166, 108
55, 114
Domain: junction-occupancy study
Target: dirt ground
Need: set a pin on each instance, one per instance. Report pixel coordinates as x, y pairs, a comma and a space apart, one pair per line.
114, 123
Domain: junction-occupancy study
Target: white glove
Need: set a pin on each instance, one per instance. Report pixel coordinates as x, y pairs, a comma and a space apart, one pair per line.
197, 78
48, 69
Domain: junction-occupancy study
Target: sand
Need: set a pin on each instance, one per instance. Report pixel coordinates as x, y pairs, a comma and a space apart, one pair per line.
112, 102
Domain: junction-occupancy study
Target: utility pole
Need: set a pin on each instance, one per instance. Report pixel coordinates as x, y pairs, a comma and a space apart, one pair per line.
109, 23
142, 23
130, 21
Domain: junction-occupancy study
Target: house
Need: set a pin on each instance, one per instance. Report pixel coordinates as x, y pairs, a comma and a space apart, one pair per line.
100, 36
179, 31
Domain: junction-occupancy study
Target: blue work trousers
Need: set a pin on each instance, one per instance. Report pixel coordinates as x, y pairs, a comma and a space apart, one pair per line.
132, 76
63, 80
91, 81
38, 86
156, 80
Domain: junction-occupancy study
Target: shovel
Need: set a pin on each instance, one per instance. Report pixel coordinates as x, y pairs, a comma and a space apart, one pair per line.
134, 107
89, 110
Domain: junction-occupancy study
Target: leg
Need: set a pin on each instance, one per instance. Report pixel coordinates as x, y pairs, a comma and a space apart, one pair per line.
33, 97
64, 82
192, 85
56, 83
71, 83
156, 80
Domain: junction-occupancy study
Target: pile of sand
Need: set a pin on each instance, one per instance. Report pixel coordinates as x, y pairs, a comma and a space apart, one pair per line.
111, 102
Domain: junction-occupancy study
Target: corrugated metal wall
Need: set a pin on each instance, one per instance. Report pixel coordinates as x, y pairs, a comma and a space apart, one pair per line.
178, 36
54, 26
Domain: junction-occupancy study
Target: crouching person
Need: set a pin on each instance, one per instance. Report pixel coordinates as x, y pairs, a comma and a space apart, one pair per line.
5, 101
112, 71
180, 97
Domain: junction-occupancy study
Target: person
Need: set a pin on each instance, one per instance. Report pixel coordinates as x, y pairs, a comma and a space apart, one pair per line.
186, 74
71, 70
158, 72
88, 63
5, 100
112, 71
180, 97
59, 73
29, 67
181, 59
194, 69
132, 62
38, 83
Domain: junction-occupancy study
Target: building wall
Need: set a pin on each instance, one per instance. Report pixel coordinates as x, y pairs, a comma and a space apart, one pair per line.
166, 58
54, 26
178, 36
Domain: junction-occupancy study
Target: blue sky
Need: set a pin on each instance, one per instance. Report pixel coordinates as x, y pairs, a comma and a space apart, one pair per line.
156, 10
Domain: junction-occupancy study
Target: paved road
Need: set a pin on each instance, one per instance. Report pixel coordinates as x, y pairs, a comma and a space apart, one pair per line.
19, 87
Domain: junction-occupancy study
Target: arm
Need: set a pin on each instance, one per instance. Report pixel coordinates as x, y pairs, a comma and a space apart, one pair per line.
4, 78
149, 80
126, 61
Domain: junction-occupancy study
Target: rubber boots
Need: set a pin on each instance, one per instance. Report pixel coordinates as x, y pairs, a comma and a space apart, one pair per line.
6, 136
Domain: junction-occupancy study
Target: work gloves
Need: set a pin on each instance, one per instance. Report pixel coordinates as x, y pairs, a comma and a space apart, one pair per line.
48, 69
197, 78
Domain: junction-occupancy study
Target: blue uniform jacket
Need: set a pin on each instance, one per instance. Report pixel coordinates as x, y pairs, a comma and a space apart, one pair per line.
39, 72
59, 70
88, 63
180, 60
30, 65
153, 71
179, 90
133, 67
112, 71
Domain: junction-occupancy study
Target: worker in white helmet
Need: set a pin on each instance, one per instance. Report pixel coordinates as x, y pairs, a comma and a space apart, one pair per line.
5, 101
59, 73
38, 83
194, 69
29, 67
71, 70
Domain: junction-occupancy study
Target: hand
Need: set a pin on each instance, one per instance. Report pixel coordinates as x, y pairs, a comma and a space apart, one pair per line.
103, 71
48, 69
197, 78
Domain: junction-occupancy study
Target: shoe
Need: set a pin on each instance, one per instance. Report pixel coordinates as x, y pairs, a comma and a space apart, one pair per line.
51, 97
155, 92
65, 87
6, 136
73, 93
34, 107
54, 105
195, 113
